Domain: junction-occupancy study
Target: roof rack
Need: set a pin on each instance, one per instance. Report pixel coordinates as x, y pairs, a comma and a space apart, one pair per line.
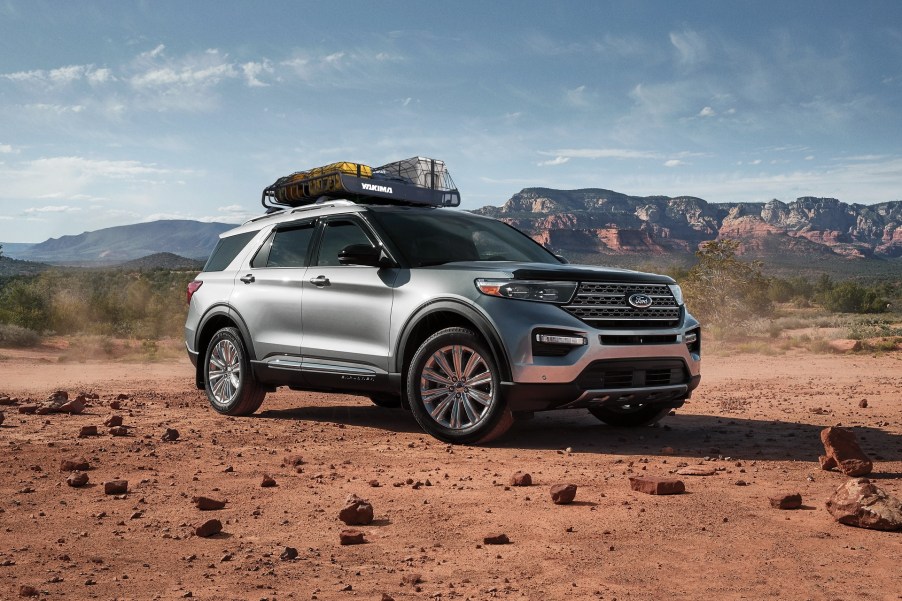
413, 181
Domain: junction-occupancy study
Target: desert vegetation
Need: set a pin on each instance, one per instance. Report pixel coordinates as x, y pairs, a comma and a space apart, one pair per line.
108, 312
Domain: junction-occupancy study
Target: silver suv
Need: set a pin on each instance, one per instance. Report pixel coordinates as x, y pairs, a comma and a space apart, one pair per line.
461, 319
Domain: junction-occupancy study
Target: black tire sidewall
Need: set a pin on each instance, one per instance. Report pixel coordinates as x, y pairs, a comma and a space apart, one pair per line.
446, 337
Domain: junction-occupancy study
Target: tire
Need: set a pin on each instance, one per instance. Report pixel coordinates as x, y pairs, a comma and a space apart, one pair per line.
386, 399
630, 416
454, 389
228, 380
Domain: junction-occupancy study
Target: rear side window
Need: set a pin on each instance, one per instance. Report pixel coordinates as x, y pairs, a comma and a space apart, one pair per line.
226, 251
287, 247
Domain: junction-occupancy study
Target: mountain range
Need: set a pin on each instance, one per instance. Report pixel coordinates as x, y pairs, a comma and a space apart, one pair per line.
609, 223
589, 223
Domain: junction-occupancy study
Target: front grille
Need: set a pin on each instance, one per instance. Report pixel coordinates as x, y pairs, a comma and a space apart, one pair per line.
640, 373
604, 305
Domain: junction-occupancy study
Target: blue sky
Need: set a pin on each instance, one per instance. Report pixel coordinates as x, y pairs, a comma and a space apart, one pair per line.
120, 112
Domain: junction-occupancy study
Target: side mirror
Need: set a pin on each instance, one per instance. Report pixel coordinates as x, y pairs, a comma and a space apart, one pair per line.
363, 254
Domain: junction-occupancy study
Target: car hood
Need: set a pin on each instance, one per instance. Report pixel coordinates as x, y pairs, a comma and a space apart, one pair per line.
557, 273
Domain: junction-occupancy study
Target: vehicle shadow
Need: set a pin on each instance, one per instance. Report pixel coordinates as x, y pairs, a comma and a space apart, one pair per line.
685, 433
692, 435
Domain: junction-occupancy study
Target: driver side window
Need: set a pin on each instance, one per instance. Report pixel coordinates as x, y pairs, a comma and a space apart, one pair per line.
337, 234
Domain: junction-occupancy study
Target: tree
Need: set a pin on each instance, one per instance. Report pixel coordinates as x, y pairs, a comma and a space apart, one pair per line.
721, 289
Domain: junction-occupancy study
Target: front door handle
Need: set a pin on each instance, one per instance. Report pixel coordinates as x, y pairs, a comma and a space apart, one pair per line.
249, 278
320, 281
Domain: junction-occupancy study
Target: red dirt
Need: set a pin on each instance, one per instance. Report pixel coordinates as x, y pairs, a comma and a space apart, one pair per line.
755, 419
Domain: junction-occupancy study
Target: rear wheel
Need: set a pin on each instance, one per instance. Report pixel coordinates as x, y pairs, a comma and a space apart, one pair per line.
454, 389
228, 381
630, 416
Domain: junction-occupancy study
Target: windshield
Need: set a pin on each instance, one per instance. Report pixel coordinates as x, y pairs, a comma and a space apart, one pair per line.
435, 237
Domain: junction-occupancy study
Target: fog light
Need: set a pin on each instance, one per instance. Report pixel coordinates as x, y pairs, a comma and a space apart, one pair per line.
554, 339
690, 338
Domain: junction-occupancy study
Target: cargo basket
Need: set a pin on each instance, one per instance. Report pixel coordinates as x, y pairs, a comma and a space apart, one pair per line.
414, 181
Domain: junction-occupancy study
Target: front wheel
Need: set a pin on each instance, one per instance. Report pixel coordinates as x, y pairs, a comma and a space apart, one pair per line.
454, 389
228, 381
630, 416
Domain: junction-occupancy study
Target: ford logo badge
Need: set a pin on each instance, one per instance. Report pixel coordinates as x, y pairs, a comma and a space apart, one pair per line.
639, 301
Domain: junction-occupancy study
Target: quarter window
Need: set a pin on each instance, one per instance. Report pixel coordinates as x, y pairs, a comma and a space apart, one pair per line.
337, 234
287, 248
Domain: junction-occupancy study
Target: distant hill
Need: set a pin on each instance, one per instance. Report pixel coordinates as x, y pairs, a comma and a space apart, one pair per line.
166, 261
114, 245
623, 229
9, 266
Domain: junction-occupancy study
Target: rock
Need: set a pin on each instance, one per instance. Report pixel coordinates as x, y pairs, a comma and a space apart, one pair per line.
288, 554
115, 487
357, 512
293, 460
87, 431
115, 405
351, 537
170, 435
77, 479
842, 451
73, 407
412, 579
207, 504
113, 421
121, 397
562, 494
60, 396
1, 418
268, 481
28, 409
859, 502
696, 470
496, 539
844, 345
119, 431
5, 400
28, 591
521, 479
74, 464
786, 500
387, 597
863, 403
208, 528
652, 485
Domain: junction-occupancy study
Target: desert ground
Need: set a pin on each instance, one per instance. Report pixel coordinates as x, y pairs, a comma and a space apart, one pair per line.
755, 422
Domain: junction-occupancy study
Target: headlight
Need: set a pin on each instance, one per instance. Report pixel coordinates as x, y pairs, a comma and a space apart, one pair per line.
677, 293
545, 292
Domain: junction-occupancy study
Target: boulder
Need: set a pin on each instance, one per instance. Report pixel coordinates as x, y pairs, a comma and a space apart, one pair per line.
74, 464
170, 435
521, 479
77, 479
842, 452
786, 500
118, 431
73, 407
113, 421
497, 539
87, 431
859, 502
288, 554
696, 470
208, 528
652, 485
207, 504
562, 494
357, 512
268, 481
1, 418
115, 487
351, 537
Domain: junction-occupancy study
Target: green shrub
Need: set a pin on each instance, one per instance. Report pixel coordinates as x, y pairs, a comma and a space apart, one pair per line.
16, 336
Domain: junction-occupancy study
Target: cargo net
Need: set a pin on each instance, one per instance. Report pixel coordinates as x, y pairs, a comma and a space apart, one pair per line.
417, 180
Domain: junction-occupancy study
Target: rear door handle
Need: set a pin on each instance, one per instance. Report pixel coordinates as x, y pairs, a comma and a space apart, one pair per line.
320, 281
249, 278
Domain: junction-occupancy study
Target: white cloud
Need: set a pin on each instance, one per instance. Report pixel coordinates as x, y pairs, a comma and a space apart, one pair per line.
691, 47
61, 76
253, 70
707, 112
577, 97
603, 153
674, 163
52, 209
559, 160
8, 149
59, 109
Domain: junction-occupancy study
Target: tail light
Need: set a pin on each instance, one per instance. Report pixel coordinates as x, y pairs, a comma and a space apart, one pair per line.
193, 287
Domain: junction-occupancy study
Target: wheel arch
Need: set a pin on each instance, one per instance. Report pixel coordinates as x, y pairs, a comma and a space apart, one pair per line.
438, 315
218, 317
